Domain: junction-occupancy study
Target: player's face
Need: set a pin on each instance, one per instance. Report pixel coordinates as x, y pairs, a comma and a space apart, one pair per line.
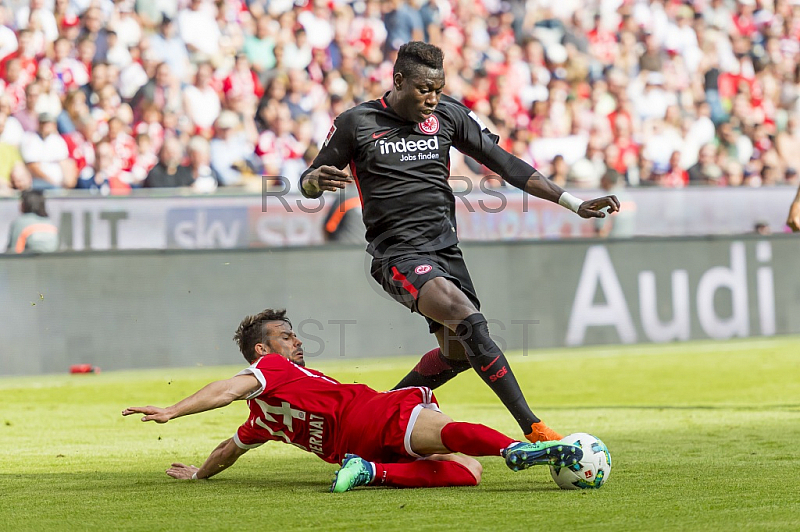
418, 95
281, 339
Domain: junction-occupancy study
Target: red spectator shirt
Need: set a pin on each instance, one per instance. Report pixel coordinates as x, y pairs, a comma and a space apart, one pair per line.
297, 405
238, 85
29, 66
80, 150
125, 150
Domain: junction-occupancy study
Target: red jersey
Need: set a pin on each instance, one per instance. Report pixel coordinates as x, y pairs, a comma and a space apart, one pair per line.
297, 405
320, 415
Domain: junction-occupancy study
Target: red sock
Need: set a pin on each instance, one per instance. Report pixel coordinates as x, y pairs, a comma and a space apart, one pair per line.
431, 363
423, 474
474, 439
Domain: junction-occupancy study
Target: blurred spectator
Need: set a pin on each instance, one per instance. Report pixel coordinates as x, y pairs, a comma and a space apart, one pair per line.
162, 90
24, 58
166, 46
231, 154
97, 81
46, 22
80, 143
762, 227
241, 87
560, 171
675, 176
206, 179
12, 130
8, 39
259, 48
9, 156
126, 25
198, 28
201, 101
169, 172
32, 232
403, 24
93, 29
621, 224
47, 157
705, 171
27, 116
49, 100
15, 83
104, 177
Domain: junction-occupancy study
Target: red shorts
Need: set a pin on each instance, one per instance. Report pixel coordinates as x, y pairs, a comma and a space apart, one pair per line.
378, 428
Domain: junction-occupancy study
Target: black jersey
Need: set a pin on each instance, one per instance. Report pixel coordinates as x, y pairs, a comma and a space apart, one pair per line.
402, 169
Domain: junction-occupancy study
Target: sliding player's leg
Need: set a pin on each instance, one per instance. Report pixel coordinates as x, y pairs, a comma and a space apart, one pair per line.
436, 471
433, 438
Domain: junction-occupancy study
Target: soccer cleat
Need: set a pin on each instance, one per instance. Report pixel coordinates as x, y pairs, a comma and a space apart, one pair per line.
355, 471
541, 432
522, 455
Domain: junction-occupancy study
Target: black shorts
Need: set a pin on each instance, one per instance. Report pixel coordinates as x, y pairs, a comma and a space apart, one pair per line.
402, 276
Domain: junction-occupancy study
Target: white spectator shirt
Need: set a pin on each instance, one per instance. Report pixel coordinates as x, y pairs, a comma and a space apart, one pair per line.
8, 41
128, 31
12, 133
297, 58
199, 29
318, 30
47, 152
131, 79
47, 19
203, 105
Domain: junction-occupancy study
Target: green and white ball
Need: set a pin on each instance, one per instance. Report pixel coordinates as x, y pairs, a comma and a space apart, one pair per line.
592, 471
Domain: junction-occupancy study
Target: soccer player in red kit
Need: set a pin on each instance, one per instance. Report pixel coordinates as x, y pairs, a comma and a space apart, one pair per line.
397, 148
398, 438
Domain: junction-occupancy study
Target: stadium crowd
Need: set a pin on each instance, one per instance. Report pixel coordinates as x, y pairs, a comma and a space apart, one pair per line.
114, 95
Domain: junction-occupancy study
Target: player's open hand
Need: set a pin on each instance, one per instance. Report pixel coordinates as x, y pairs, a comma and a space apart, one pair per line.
182, 471
595, 208
152, 413
325, 178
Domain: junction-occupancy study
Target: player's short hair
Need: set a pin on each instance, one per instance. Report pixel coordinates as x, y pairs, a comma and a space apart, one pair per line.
416, 54
251, 331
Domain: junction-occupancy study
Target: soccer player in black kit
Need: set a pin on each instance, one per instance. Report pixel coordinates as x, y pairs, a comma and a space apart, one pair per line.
397, 149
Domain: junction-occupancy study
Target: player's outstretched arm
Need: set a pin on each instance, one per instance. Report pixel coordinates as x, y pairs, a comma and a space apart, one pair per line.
793, 220
214, 395
220, 459
520, 174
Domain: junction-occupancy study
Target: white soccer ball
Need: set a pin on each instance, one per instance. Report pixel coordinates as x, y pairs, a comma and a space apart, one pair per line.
592, 471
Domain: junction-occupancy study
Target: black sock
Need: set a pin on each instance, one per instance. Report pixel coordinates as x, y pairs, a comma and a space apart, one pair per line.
492, 366
433, 370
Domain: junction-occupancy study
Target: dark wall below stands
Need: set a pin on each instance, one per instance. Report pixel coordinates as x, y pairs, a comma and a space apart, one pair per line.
121, 310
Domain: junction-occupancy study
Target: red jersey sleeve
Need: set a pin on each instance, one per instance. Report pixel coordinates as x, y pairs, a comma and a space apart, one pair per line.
270, 370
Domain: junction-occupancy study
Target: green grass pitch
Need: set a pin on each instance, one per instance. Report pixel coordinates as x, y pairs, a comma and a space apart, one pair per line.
703, 436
